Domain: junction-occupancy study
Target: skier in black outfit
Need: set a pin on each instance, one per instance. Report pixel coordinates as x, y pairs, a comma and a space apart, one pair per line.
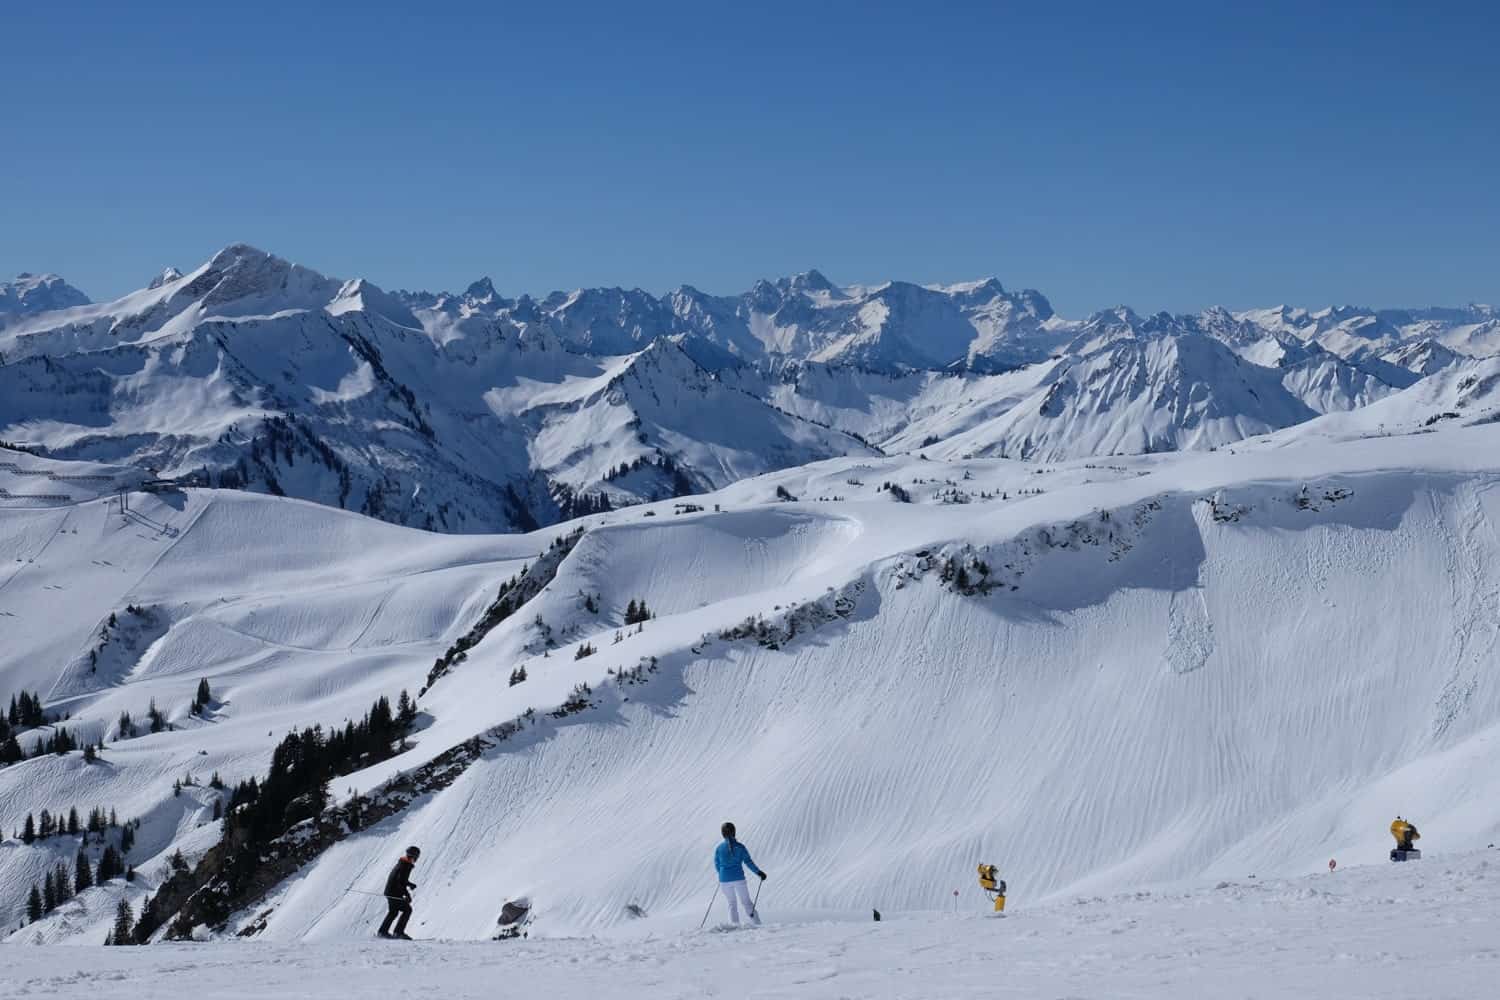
398, 895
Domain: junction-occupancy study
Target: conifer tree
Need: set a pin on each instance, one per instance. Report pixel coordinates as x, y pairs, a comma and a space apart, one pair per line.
49, 894
124, 929
83, 877
73, 820
109, 865
34, 909
28, 830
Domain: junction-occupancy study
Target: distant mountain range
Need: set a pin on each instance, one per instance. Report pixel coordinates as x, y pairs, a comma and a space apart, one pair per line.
474, 412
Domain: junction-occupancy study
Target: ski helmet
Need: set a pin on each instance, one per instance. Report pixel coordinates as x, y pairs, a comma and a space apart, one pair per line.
414, 852
727, 830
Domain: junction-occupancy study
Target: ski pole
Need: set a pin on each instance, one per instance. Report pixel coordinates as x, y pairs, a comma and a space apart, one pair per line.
756, 901
381, 895
710, 908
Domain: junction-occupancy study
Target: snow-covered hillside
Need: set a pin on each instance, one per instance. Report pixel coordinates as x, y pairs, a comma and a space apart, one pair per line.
1099, 675
1466, 394
475, 412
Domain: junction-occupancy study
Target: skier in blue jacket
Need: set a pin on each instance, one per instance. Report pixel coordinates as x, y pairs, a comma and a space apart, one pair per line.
731, 859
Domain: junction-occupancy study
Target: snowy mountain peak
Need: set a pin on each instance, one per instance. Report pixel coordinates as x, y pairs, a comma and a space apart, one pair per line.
665, 356
167, 276
244, 274
360, 295
991, 291
1121, 315
482, 290
31, 294
1137, 395
1424, 356
810, 281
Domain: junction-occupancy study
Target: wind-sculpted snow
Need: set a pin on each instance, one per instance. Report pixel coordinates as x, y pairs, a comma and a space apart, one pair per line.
768, 548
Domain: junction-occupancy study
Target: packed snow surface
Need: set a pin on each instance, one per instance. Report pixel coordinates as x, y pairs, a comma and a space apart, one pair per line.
1426, 929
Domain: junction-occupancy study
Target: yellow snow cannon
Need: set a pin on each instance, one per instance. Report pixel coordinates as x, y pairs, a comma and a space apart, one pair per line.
993, 885
1405, 833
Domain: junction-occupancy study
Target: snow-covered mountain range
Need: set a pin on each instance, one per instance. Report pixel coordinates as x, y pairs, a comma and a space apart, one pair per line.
37, 293
476, 412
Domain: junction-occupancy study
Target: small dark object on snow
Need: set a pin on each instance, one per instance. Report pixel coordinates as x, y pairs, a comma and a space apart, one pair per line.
514, 916
877, 916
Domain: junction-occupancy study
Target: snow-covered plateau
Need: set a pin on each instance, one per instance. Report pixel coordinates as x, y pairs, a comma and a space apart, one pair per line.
1158, 615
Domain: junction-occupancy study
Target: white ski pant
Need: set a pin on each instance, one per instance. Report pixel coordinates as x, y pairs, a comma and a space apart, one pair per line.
738, 894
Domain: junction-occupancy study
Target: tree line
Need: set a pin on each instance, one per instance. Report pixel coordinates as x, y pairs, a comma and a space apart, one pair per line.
64, 882
296, 787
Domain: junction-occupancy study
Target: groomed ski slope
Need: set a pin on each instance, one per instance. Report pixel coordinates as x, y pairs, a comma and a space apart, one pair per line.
1209, 665
1420, 930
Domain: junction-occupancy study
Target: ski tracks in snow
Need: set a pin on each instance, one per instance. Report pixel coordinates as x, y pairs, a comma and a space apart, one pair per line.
1475, 597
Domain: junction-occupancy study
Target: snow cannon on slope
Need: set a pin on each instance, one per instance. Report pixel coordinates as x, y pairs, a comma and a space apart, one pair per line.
1405, 833
993, 885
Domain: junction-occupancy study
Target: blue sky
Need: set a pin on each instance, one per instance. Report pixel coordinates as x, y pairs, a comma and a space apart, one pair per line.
1168, 156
